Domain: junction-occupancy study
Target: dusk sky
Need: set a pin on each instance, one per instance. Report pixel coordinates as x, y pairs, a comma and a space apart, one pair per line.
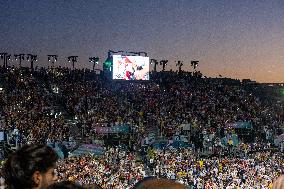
233, 38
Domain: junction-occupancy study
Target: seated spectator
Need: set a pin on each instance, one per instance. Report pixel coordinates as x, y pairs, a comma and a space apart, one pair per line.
31, 167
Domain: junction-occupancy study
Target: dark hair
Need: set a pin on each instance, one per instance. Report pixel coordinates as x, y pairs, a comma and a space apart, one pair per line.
141, 182
93, 186
155, 183
21, 165
65, 185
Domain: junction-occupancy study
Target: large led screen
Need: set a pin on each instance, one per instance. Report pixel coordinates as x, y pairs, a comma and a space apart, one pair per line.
130, 67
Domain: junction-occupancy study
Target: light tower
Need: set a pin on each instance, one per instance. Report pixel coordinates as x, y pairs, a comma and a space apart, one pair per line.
194, 63
19, 57
164, 63
5, 57
179, 64
155, 62
52, 59
73, 59
32, 58
94, 60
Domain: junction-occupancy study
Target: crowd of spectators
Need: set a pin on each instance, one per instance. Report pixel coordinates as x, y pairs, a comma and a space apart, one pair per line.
115, 169
27, 108
112, 170
35, 107
255, 171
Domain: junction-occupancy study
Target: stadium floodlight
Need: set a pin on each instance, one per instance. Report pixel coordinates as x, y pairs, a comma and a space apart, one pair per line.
179, 64
52, 58
194, 63
73, 59
32, 58
94, 60
19, 57
164, 63
5, 57
155, 62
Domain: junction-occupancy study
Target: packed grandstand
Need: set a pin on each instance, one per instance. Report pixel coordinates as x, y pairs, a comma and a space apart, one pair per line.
201, 132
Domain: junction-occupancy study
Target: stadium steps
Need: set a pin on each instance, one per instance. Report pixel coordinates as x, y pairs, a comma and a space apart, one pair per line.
88, 149
152, 128
75, 131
